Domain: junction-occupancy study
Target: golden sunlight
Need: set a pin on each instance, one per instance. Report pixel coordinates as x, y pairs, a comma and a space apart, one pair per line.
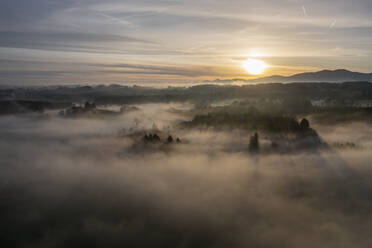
254, 66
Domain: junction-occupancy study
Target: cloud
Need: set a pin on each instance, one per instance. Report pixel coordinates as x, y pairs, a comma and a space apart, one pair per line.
333, 24
63, 41
185, 32
75, 182
24, 71
304, 10
181, 70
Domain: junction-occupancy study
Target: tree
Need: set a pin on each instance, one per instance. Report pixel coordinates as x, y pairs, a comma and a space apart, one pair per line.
304, 124
156, 138
254, 145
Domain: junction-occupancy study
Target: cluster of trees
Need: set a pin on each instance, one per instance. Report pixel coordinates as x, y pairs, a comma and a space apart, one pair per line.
292, 94
290, 99
89, 109
346, 145
154, 138
21, 106
151, 138
251, 121
76, 109
254, 142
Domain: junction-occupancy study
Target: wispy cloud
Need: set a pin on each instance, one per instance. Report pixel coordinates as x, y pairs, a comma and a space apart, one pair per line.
63, 40
304, 10
196, 33
333, 23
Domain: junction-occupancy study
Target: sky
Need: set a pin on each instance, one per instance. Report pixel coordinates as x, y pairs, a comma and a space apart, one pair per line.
45, 42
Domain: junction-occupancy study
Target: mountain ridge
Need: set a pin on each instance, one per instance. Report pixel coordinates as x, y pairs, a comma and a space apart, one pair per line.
334, 76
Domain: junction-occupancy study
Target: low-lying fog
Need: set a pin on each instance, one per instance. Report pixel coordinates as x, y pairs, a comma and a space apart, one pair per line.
69, 182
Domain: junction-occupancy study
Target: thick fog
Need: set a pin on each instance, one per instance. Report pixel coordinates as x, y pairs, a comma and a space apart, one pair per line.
88, 182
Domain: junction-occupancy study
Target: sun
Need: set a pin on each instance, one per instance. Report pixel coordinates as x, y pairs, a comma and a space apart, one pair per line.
254, 66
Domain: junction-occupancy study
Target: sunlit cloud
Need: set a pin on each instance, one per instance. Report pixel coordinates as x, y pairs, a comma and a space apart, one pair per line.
192, 33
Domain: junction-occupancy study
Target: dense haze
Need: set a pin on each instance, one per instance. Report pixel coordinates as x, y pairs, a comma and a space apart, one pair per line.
79, 182
185, 123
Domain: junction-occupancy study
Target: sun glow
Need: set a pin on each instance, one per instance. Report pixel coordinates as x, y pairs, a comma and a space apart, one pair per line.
254, 66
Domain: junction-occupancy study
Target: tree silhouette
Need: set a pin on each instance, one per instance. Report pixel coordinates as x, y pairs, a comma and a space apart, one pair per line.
304, 124
156, 138
254, 145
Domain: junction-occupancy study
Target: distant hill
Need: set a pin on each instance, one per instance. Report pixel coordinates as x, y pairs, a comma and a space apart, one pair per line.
340, 75
325, 76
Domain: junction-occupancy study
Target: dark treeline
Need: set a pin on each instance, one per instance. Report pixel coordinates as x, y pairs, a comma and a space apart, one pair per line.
295, 99
25, 106
116, 94
249, 121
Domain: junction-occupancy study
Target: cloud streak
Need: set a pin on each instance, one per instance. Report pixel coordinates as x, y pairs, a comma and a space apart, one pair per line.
62, 41
187, 32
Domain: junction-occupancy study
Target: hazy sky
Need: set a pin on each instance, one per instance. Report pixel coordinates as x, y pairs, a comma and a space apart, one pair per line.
164, 41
